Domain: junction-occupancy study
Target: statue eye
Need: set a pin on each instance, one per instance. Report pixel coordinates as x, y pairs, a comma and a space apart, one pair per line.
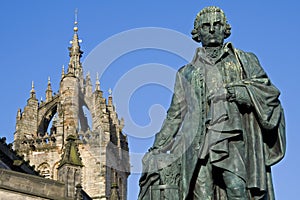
205, 26
218, 25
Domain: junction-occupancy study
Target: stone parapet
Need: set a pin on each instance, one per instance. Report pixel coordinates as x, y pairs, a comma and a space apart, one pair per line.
25, 186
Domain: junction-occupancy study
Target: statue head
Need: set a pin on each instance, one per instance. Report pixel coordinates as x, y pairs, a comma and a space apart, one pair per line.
211, 27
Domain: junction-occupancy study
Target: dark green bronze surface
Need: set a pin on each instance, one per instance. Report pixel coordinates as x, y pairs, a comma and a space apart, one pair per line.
225, 126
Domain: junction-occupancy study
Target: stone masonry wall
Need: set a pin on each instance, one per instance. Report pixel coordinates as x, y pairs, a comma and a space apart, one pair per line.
20, 186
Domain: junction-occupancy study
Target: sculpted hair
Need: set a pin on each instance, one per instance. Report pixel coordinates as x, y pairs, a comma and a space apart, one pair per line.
210, 9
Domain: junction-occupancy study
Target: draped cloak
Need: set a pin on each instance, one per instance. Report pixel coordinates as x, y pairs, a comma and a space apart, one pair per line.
198, 127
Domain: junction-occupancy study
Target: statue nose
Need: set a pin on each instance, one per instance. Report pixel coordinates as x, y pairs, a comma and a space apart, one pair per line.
211, 29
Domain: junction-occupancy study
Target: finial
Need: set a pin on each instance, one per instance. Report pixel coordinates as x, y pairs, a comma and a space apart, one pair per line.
63, 71
110, 101
49, 84
48, 91
32, 87
19, 114
97, 79
32, 91
97, 83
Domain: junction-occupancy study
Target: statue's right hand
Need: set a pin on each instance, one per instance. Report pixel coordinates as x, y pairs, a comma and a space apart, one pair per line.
218, 95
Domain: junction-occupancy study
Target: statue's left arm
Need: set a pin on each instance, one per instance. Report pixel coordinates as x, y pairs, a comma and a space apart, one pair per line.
257, 92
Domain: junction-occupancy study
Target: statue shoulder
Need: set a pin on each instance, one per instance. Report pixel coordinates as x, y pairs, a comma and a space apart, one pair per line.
250, 63
246, 56
186, 69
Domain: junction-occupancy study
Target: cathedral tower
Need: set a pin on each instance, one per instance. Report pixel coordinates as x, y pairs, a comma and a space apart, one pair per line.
47, 130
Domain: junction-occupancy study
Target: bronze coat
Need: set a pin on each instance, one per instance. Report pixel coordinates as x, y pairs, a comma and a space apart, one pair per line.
263, 123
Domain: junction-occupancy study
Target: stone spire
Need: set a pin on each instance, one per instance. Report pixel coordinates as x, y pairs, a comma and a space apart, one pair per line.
75, 53
70, 167
71, 154
49, 91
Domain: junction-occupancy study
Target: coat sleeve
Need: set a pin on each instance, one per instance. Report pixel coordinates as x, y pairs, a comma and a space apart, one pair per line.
264, 98
175, 115
263, 95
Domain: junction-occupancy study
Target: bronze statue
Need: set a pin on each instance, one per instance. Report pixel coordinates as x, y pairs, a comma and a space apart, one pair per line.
224, 129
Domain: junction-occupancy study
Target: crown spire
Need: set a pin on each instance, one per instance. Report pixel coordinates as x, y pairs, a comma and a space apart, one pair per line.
75, 52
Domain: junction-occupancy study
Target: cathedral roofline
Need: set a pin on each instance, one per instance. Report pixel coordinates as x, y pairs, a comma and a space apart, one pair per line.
10, 160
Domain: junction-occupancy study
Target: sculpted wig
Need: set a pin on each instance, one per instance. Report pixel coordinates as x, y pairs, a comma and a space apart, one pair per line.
197, 22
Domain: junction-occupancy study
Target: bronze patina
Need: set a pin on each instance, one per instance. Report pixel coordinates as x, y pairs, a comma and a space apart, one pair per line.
224, 129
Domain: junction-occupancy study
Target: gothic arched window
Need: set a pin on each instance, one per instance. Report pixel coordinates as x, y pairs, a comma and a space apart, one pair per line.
44, 169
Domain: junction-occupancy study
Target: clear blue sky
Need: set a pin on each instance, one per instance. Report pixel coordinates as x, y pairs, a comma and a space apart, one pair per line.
34, 37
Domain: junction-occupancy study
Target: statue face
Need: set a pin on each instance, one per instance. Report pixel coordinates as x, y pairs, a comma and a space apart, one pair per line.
211, 29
